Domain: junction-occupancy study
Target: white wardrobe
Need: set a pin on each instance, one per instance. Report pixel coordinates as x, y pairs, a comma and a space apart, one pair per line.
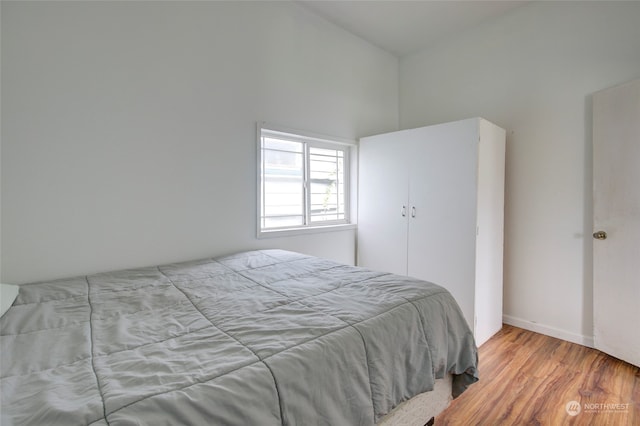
431, 206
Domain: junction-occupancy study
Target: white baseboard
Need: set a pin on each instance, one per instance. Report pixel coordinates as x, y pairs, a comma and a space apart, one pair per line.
549, 331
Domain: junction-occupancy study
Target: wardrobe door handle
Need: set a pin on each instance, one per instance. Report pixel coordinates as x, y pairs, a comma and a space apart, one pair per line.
403, 212
413, 211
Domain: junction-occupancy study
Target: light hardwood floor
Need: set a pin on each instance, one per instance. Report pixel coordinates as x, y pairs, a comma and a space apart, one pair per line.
527, 378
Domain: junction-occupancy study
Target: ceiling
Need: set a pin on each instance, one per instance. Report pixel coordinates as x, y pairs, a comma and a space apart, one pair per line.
405, 27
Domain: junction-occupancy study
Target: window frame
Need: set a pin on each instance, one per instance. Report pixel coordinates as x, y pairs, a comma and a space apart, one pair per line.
309, 140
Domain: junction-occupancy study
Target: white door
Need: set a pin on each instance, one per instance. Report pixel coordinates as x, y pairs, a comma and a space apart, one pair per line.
383, 186
616, 244
442, 209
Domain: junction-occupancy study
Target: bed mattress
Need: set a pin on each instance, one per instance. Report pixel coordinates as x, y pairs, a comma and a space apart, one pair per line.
265, 337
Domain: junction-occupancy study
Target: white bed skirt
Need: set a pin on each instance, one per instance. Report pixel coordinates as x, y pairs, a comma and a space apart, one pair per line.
421, 408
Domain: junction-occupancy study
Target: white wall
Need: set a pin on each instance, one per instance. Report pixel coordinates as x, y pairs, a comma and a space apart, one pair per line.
532, 72
128, 129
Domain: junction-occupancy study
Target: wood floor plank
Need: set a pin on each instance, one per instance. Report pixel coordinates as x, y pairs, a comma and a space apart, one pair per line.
528, 378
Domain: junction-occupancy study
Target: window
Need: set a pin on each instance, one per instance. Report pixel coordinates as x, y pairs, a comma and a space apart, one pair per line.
303, 181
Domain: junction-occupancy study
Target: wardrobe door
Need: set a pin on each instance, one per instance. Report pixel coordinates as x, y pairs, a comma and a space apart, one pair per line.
442, 209
383, 202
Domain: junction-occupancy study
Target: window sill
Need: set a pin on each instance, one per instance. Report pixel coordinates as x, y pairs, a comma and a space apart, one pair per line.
291, 232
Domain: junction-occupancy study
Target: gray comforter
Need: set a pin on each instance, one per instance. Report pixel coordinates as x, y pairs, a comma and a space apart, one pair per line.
265, 337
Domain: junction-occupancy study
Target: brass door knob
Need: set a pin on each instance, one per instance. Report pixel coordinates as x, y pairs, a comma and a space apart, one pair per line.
600, 235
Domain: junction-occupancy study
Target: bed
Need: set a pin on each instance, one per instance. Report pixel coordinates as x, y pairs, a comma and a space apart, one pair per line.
266, 337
